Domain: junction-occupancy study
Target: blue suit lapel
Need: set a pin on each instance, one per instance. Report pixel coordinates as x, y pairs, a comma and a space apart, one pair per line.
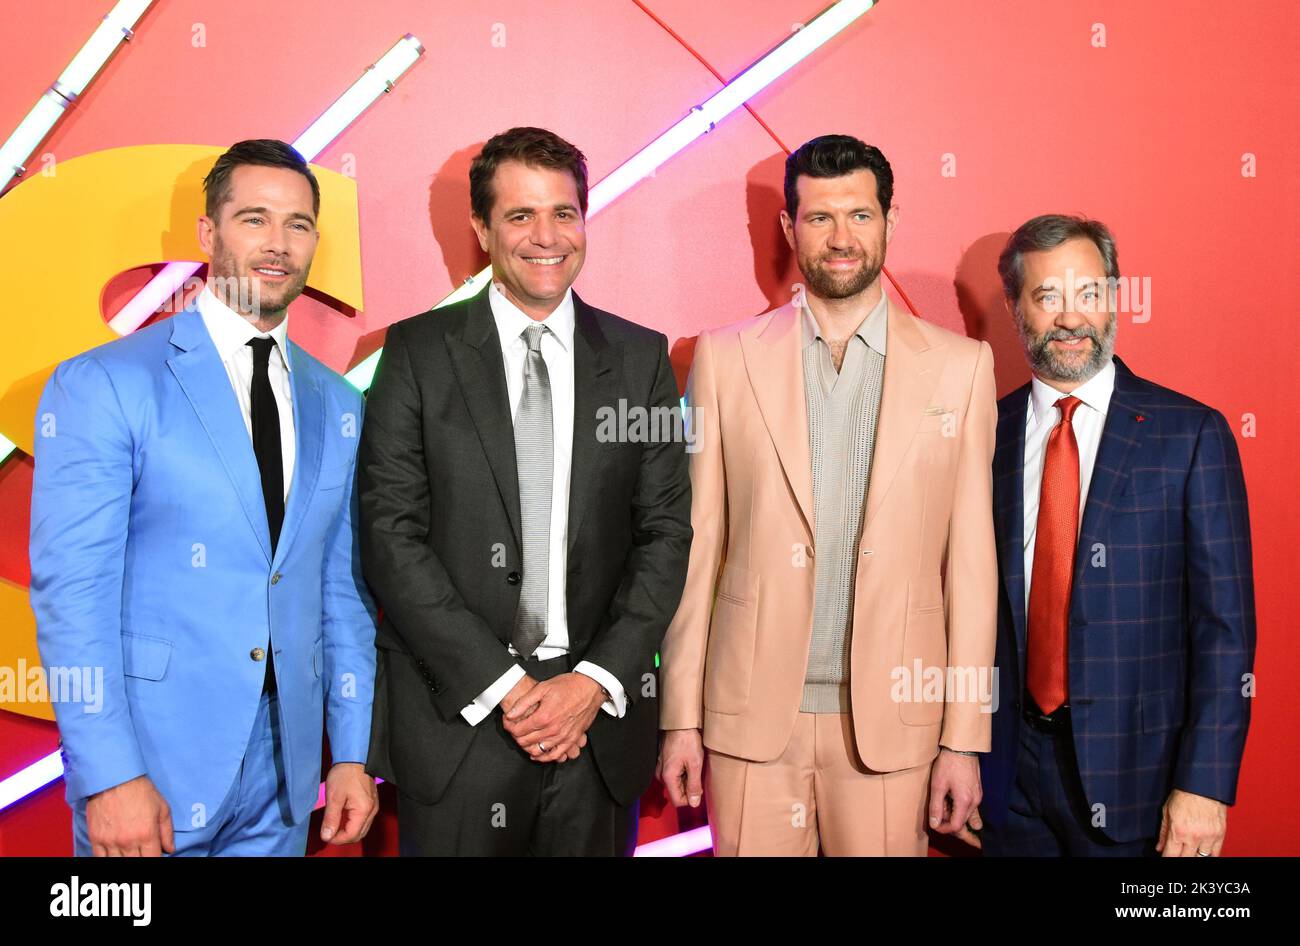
1009, 477
1121, 438
203, 378
309, 430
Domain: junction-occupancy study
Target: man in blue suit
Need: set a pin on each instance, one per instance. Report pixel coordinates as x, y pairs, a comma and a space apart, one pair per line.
193, 535
1126, 620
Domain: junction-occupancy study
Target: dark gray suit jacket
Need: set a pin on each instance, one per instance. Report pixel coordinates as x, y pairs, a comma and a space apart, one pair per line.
441, 545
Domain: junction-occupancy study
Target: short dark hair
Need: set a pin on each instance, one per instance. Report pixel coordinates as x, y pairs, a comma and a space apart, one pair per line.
1046, 232
836, 156
535, 147
265, 152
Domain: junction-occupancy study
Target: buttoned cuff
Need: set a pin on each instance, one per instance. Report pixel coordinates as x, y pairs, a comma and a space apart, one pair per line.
616, 706
488, 700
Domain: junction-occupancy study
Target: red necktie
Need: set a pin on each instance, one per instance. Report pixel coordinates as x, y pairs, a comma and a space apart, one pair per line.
1053, 574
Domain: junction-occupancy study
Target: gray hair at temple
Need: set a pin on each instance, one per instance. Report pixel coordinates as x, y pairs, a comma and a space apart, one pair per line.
1046, 232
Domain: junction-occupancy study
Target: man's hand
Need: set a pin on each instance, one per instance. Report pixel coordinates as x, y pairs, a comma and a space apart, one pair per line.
350, 798
681, 766
955, 794
1192, 825
555, 713
508, 701
525, 684
130, 820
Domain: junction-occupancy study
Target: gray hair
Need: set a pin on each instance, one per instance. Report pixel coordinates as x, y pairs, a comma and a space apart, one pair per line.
1046, 232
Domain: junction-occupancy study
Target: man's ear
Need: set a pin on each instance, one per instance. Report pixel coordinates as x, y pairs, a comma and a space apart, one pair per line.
1010, 307
481, 230
891, 221
206, 229
787, 227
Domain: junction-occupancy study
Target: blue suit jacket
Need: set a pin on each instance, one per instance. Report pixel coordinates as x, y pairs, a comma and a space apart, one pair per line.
151, 559
1162, 611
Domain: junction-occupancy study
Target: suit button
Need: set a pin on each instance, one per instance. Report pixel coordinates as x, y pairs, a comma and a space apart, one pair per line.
257, 654
275, 579
514, 578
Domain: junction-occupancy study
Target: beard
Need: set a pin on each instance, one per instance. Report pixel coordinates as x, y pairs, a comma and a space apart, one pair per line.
244, 291
1048, 364
830, 285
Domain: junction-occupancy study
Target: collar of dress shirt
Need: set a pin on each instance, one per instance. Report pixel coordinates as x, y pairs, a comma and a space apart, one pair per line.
230, 331
1095, 393
511, 320
871, 329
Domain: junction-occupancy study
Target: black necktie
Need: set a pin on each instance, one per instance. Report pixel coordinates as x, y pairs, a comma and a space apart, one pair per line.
266, 444
266, 436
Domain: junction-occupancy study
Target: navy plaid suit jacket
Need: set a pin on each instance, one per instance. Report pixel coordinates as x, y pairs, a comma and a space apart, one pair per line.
1162, 610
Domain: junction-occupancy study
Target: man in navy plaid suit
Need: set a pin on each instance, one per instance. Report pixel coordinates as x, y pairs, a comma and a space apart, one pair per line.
1126, 616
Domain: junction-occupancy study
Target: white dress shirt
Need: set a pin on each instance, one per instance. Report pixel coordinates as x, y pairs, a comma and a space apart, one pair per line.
557, 352
230, 333
1041, 417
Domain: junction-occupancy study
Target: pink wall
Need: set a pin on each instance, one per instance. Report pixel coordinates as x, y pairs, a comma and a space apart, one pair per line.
1146, 134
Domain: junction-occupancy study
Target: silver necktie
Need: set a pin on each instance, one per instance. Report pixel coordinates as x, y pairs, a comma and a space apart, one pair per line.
534, 454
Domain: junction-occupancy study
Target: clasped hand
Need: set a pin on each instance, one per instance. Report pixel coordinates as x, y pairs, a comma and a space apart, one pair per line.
549, 720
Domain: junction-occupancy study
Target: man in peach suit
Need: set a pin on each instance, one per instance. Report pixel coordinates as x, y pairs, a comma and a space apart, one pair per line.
833, 646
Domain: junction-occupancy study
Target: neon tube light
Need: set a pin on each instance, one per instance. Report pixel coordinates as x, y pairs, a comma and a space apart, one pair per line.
678, 845
31, 779
115, 28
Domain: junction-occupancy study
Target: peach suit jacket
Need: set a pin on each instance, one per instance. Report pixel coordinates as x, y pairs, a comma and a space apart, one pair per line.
735, 655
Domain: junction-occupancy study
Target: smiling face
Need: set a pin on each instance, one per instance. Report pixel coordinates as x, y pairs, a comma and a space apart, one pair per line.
535, 236
1065, 313
262, 242
840, 233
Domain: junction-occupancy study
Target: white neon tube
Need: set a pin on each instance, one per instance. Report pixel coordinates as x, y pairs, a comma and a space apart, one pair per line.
732, 96
115, 28
374, 82
25, 781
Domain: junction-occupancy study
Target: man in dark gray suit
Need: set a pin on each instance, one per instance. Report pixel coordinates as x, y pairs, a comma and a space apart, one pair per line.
528, 551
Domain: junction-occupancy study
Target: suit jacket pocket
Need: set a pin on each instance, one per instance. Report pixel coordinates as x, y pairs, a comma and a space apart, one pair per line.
145, 657
729, 663
925, 654
1143, 497
939, 420
1139, 485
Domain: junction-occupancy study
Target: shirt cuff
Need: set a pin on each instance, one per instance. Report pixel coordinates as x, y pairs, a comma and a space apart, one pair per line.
616, 705
487, 701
